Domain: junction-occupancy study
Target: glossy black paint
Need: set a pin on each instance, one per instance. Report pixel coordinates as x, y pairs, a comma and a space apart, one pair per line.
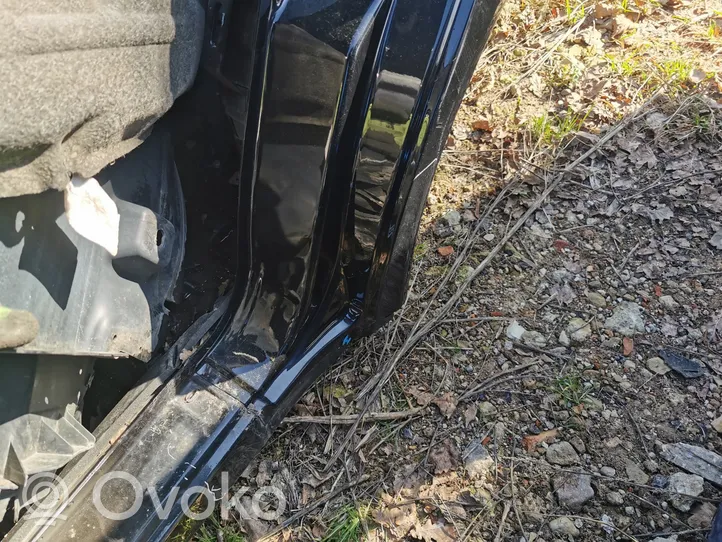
396, 148
291, 172
350, 103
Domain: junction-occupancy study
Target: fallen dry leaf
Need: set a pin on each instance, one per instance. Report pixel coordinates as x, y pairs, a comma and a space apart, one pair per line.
716, 240
315, 481
307, 495
713, 329
696, 76
408, 481
255, 527
445, 251
377, 534
593, 38
434, 532
602, 10
656, 120
318, 531
334, 390
423, 398
561, 244
659, 214
621, 24
444, 456
627, 346
530, 442
446, 403
481, 124
445, 488
398, 519
470, 414
304, 410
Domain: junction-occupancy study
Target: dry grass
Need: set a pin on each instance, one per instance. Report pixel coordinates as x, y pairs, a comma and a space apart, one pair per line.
554, 71
557, 82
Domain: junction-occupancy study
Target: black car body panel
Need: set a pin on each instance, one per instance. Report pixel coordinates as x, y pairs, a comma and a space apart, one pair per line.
349, 105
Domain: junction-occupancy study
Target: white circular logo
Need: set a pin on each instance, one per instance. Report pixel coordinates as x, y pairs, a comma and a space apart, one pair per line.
42, 494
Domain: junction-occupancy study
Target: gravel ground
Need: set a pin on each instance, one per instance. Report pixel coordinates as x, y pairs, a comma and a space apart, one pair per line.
556, 371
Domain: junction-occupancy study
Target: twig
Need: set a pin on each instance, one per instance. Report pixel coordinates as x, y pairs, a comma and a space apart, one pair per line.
673, 181
446, 367
528, 252
513, 493
576, 228
678, 533
479, 169
470, 243
434, 500
697, 275
624, 262
549, 353
600, 190
390, 435
479, 319
567, 309
635, 484
431, 445
371, 431
639, 431
592, 520
472, 525
311, 507
480, 387
353, 418
454, 348
659, 508
419, 332
549, 300
534, 67
504, 514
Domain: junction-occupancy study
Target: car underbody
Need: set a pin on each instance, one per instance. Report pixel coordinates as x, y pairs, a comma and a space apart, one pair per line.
202, 206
